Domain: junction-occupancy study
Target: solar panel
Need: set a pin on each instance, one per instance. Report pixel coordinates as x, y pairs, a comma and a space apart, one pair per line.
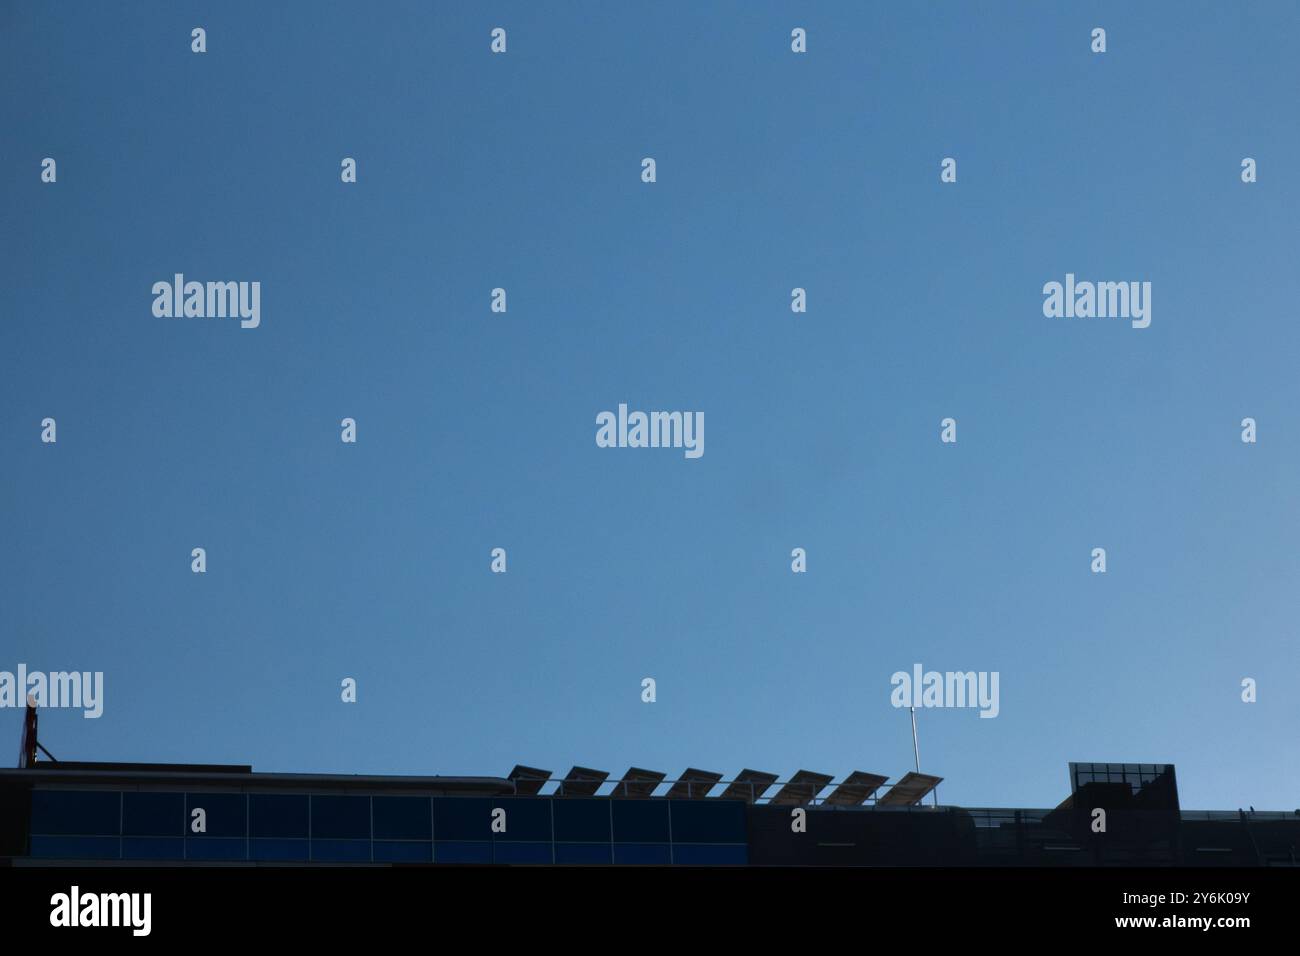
693, 784
802, 788
638, 783
909, 791
855, 789
582, 782
748, 786
528, 780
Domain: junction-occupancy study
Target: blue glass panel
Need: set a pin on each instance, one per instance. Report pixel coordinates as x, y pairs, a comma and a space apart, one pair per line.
153, 848
76, 811
401, 852
340, 817
585, 821
269, 849
526, 819
582, 853
462, 818
402, 818
640, 821
215, 848
708, 821
76, 848
468, 852
227, 815
642, 854
340, 851
704, 855
153, 814
506, 852
277, 815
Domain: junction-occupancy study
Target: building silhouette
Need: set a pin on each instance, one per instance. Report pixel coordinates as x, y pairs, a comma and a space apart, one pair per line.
1117, 814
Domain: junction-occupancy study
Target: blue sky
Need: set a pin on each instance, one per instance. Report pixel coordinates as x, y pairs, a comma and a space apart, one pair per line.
476, 430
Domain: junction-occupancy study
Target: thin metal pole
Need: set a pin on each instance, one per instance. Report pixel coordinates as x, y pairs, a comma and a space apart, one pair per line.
916, 749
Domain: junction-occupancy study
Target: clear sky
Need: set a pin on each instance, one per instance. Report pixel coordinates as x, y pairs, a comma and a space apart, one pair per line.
476, 430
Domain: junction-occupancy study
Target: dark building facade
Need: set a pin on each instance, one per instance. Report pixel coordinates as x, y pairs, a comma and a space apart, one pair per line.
203, 815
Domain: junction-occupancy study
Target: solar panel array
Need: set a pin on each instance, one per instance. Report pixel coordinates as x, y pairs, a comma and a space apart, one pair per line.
749, 785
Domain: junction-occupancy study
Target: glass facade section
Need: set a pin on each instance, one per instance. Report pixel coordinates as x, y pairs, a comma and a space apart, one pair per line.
230, 826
